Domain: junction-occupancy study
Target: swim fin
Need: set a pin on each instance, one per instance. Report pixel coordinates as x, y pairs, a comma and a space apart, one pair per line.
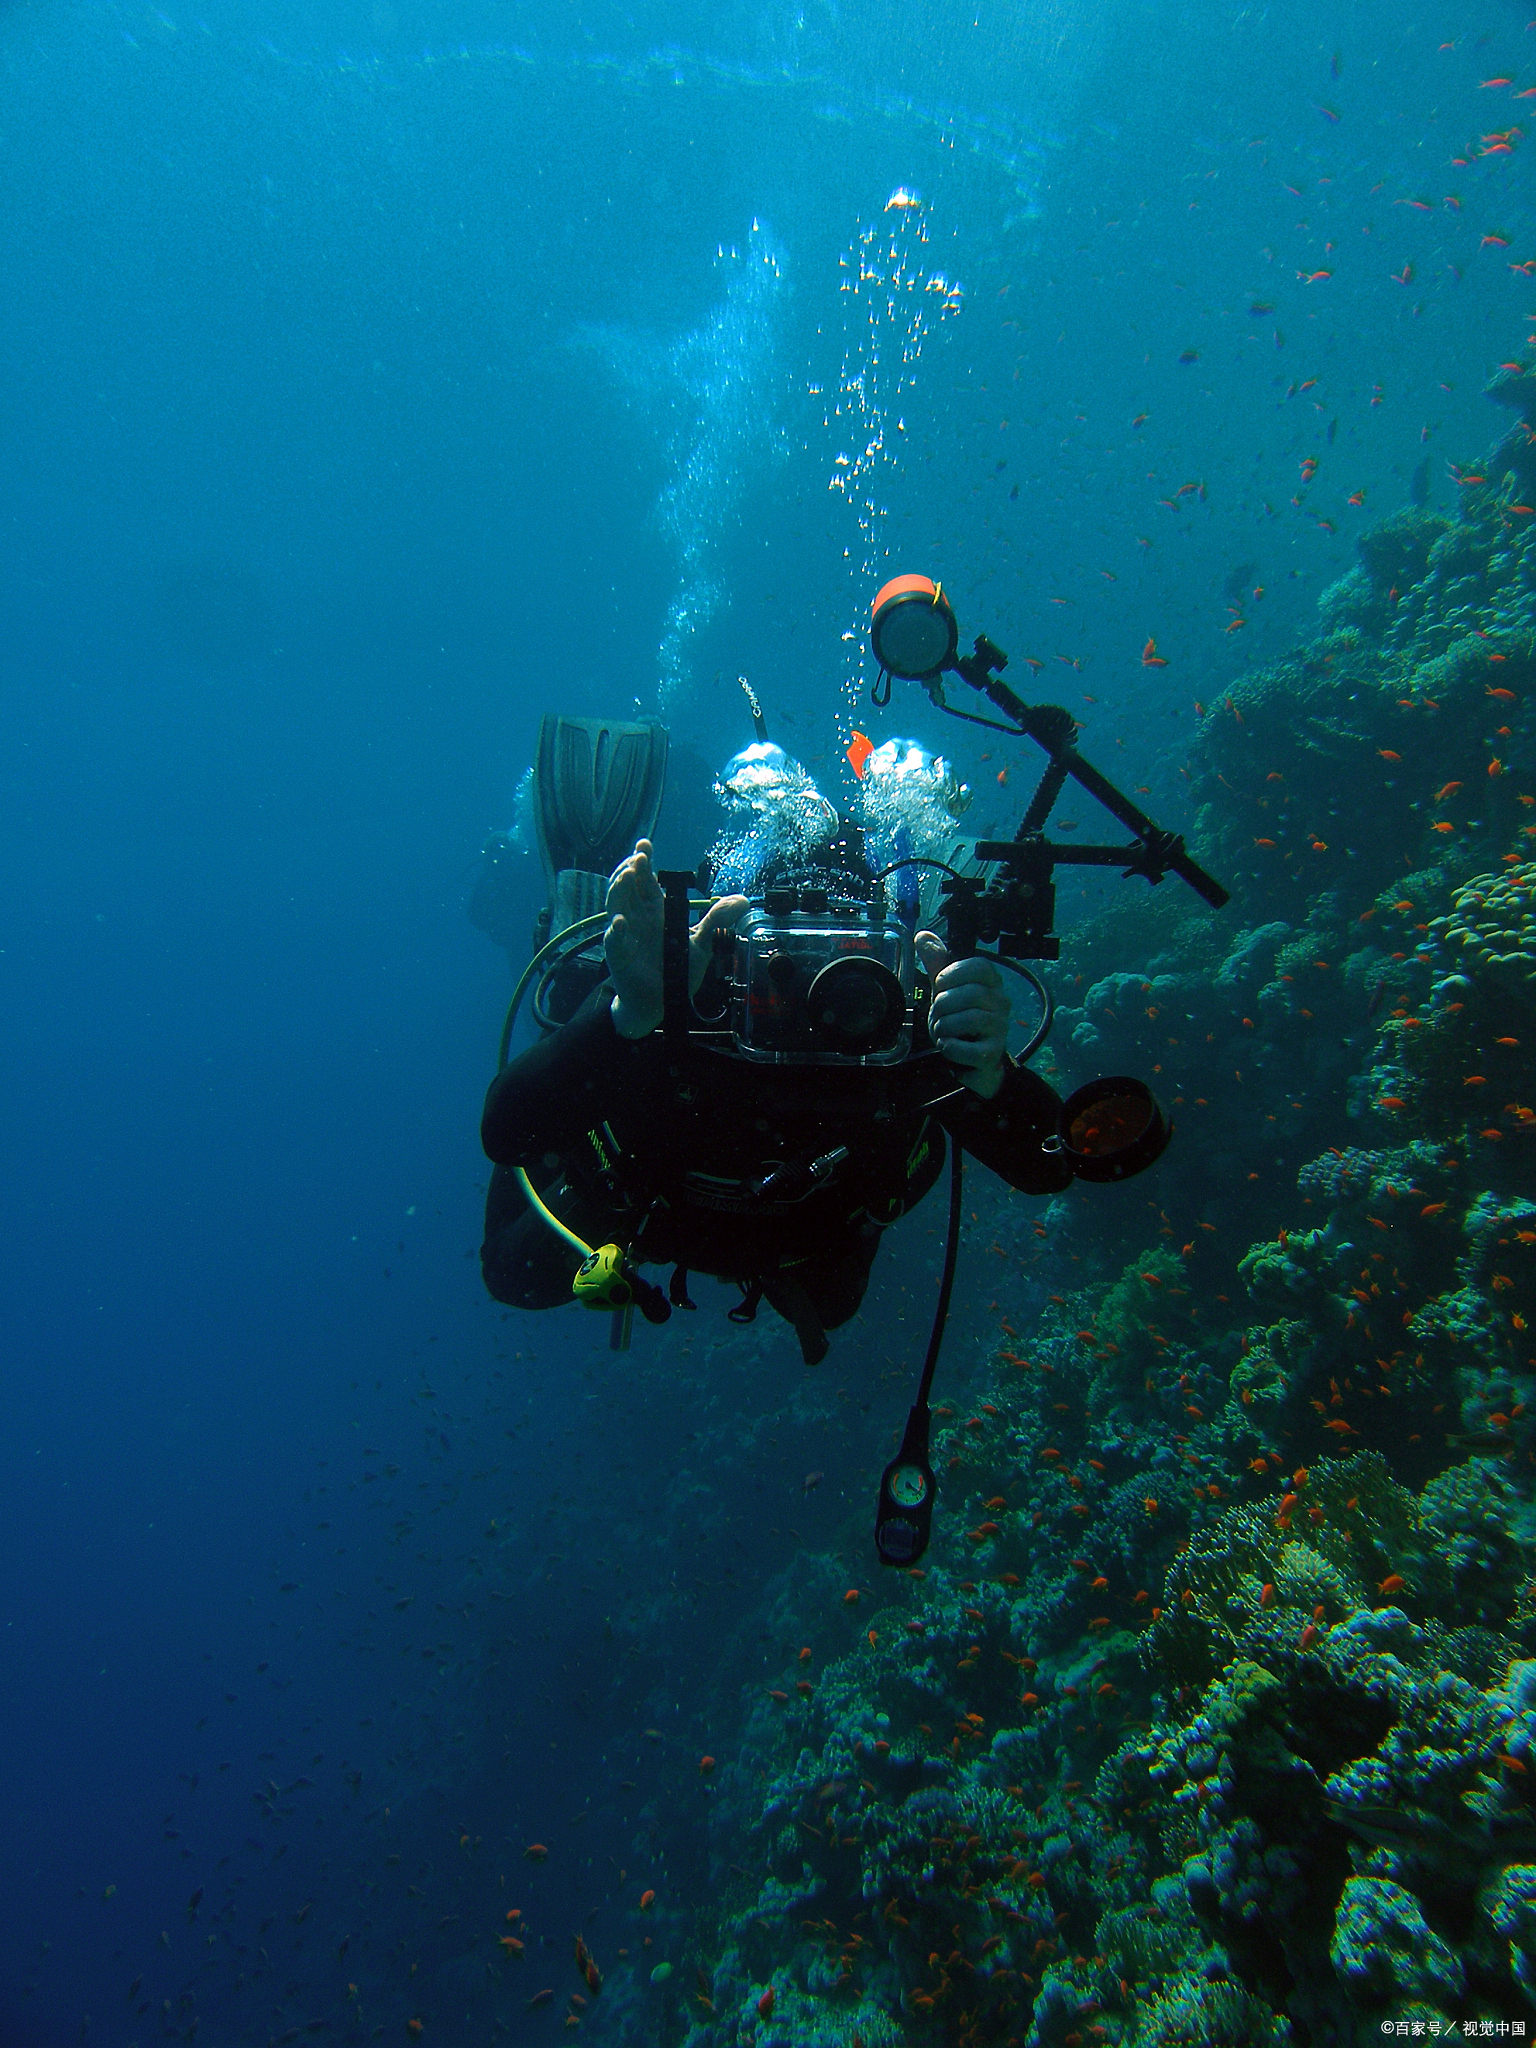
597, 789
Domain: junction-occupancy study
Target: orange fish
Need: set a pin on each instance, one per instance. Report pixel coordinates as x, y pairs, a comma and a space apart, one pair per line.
536, 1852
1432, 1208
1307, 1637
706, 1765
765, 2005
589, 1971
781, 1697
647, 1900
1387, 754
859, 752
1266, 1596
1504, 696
1449, 789
1392, 1583
1150, 658
851, 1597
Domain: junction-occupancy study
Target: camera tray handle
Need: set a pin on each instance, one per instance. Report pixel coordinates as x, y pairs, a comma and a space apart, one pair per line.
676, 1003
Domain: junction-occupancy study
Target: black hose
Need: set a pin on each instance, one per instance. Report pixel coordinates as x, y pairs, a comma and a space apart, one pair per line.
572, 939
1042, 1030
947, 1278
914, 860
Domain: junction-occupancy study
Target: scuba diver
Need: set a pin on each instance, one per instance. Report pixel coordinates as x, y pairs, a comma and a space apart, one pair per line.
779, 1177
757, 1094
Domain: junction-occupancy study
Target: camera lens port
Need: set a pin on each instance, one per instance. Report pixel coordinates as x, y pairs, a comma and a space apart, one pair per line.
856, 1006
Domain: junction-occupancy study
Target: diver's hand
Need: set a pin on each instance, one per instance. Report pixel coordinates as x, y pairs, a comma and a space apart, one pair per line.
723, 915
968, 1017
632, 942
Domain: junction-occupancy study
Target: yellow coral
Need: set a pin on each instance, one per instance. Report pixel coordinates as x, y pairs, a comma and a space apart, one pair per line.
1493, 920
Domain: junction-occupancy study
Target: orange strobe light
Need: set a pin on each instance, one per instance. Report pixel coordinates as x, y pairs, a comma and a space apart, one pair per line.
912, 629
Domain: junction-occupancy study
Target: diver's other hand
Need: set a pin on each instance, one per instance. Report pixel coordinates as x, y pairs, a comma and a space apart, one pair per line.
632, 943
968, 1016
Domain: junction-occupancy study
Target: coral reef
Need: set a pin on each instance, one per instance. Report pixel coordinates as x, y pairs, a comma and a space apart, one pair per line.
1492, 921
1211, 1716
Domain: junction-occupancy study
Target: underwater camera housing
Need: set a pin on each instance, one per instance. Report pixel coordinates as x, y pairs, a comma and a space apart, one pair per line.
814, 981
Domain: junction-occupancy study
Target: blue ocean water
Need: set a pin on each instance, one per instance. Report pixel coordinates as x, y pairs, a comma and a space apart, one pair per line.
375, 379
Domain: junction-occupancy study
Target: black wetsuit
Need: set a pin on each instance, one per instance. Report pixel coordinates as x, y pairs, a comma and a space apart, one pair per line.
663, 1148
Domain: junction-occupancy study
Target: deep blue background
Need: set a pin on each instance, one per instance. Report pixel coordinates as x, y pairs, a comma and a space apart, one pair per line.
335, 415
